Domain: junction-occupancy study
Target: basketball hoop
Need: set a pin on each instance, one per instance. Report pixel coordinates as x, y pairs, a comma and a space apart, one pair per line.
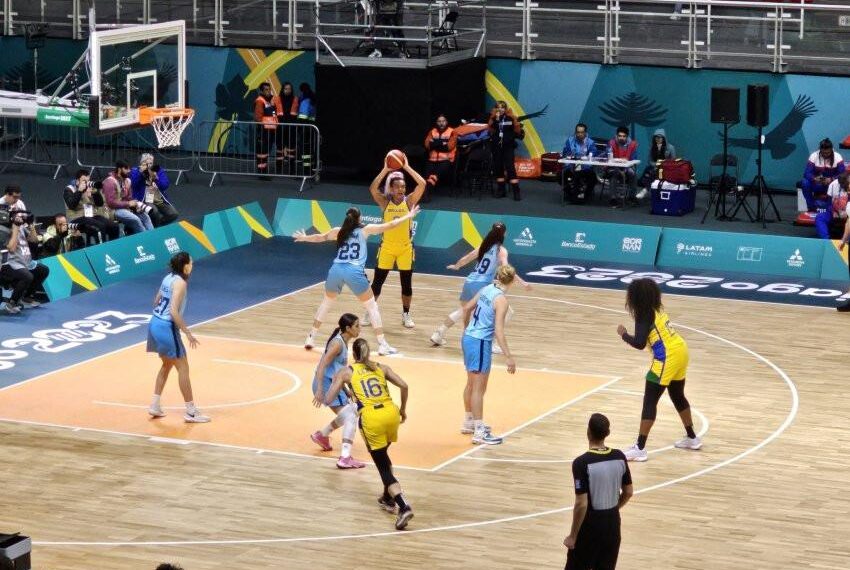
168, 123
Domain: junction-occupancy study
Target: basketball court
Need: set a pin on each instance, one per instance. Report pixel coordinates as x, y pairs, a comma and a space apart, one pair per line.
102, 485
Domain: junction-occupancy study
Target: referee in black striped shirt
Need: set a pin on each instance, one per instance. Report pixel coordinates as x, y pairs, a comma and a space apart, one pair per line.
603, 486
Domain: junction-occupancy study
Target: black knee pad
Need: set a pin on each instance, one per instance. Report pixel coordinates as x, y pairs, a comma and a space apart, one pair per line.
378, 280
651, 395
406, 278
677, 395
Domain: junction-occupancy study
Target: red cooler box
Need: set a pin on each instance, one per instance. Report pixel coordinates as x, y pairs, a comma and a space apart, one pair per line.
672, 199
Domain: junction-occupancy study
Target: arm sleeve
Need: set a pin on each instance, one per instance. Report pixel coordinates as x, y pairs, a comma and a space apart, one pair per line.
162, 181
641, 334
581, 482
278, 106
137, 184
97, 198
627, 474
72, 199
633, 154
294, 108
258, 111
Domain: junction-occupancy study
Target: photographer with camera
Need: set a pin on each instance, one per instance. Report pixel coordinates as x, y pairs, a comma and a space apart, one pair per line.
130, 212
149, 183
12, 198
85, 207
61, 237
19, 270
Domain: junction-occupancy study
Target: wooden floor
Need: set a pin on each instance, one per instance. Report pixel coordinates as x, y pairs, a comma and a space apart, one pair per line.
766, 491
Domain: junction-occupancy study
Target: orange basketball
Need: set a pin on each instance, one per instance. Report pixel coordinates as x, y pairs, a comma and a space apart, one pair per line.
395, 160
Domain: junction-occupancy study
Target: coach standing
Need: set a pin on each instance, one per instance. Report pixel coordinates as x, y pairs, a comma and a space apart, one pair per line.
603, 485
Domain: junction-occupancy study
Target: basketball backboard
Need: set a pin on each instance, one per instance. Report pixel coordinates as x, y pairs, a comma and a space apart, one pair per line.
134, 67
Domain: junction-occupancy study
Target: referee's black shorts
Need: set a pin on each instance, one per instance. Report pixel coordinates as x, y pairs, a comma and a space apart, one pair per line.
597, 544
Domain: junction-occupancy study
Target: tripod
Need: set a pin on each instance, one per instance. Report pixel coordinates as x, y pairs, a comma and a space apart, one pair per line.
758, 187
718, 195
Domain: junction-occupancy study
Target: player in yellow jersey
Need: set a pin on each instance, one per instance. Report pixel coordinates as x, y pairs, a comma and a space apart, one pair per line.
379, 420
668, 368
396, 249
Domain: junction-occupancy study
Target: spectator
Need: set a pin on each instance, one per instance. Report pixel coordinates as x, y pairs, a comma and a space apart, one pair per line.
659, 151
622, 147
59, 238
267, 108
505, 129
150, 183
24, 275
85, 206
12, 198
580, 179
837, 193
118, 193
307, 143
823, 167
441, 144
289, 115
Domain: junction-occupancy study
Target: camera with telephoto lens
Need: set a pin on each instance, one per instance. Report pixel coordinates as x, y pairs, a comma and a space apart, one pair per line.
72, 227
142, 207
8, 217
96, 184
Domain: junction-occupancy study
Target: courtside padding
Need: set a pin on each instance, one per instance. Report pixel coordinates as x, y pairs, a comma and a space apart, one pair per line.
149, 252
780, 256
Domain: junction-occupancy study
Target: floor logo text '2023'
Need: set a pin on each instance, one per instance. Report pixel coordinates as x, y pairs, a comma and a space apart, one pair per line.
71, 335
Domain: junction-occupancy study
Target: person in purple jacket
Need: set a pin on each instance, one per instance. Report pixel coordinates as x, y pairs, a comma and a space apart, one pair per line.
823, 167
150, 184
118, 195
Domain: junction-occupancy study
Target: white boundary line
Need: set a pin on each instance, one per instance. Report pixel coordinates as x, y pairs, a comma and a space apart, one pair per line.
296, 384
572, 283
789, 419
703, 430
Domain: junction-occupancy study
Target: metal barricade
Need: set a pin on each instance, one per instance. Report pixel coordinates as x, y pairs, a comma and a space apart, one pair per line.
25, 143
245, 148
99, 153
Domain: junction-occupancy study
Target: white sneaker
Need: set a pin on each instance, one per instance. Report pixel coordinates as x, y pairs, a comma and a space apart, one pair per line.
641, 195
365, 321
156, 411
437, 339
10, 309
468, 428
195, 417
496, 349
29, 303
407, 321
309, 342
634, 453
384, 349
485, 438
689, 443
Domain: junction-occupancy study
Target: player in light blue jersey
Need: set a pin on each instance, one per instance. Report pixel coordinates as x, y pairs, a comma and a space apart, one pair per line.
488, 257
164, 337
334, 359
348, 269
484, 316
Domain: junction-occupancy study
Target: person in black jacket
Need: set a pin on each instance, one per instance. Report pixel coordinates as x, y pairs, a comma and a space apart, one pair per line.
86, 207
505, 129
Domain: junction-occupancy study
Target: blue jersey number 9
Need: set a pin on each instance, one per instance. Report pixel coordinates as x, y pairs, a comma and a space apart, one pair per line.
483, 265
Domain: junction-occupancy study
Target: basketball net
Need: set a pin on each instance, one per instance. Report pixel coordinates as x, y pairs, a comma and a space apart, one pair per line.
169, 124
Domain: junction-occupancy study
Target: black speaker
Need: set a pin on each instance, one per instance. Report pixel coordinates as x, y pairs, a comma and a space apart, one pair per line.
758, 107
725, 105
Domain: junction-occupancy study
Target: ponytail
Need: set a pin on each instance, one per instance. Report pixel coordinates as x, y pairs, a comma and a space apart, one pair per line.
494, 236
361, 354
351, 223
345, 321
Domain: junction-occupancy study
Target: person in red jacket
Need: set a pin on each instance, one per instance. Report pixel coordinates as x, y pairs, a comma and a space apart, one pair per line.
288, 115
441, 144
267, 108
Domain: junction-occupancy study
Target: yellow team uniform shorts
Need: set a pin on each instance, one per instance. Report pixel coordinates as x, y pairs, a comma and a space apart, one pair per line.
379, 426
673, 368
390, 255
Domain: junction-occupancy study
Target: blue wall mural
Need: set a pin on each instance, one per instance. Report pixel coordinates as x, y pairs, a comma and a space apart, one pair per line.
803, 110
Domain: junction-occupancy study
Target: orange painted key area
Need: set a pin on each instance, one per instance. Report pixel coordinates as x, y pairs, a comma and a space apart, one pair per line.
259, 396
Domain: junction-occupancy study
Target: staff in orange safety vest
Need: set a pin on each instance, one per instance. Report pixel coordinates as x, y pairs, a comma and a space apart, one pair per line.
267, 107
441, 144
